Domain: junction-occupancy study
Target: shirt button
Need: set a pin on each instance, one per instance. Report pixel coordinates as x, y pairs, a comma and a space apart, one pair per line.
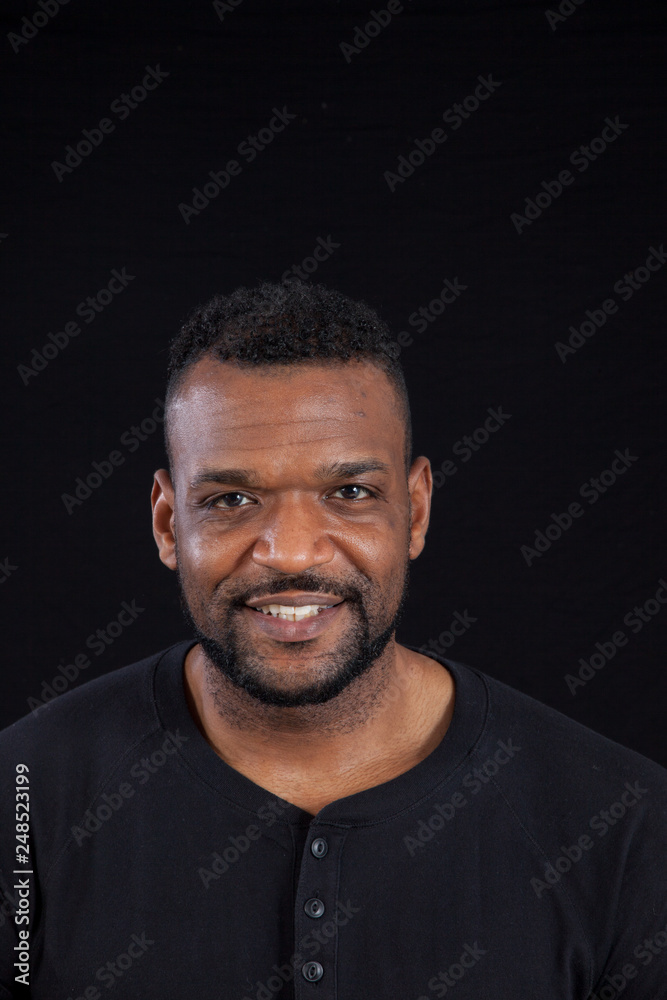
314, 907
312, 971
319, 848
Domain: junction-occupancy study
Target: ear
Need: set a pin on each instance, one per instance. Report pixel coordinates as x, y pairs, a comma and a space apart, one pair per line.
420, 486
162, 502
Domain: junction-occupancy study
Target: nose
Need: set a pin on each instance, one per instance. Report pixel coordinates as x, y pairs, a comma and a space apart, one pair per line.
293, 539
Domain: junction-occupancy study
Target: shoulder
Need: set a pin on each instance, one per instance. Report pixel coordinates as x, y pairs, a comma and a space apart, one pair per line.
69, 751
95, 721
558, 744
579, 819
558, 776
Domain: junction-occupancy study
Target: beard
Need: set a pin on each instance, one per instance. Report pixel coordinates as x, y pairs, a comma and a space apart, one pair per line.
230, 653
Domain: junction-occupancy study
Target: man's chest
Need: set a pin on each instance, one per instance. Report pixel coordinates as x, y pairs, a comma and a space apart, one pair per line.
254, 908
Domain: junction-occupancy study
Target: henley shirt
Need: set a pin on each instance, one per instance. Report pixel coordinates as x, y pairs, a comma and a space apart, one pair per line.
523, 859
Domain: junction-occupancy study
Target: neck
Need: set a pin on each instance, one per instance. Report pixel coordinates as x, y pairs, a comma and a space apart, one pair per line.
382, 724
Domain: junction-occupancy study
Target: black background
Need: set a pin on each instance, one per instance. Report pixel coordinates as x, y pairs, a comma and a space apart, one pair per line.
323, 176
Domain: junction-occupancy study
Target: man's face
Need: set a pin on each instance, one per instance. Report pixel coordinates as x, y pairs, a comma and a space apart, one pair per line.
290, 492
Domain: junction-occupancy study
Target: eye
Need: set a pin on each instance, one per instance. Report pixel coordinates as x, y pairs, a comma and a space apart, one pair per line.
352, 491
231, 501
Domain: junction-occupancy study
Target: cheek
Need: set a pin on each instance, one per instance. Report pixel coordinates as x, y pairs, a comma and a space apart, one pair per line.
370, 544
206, 555
386, 541
380, 550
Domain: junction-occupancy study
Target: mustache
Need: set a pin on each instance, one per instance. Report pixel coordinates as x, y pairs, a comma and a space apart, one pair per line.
305, 582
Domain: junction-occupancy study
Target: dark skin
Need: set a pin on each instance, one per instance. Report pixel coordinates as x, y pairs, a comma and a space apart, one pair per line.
286, 424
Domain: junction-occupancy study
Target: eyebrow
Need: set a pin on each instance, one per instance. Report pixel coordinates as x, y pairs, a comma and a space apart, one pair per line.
251, 478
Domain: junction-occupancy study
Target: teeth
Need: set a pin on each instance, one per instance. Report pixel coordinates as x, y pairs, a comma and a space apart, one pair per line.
290, 613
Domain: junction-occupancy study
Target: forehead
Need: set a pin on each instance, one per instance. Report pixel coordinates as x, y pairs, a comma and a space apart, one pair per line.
280, 414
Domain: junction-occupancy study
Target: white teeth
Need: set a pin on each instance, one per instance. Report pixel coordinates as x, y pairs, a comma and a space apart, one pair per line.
290, 613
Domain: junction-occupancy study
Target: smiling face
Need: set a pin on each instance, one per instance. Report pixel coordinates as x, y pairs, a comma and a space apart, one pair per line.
290, 498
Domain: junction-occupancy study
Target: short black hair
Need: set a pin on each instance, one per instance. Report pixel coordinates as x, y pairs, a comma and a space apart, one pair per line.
285, 323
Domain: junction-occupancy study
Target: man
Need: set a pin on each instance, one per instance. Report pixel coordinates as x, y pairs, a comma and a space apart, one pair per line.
291, 803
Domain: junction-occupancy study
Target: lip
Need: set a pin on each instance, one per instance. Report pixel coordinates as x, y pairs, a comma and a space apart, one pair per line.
296, 600
286, 631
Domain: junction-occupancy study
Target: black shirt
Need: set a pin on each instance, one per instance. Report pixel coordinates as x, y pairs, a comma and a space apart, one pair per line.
523, 858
